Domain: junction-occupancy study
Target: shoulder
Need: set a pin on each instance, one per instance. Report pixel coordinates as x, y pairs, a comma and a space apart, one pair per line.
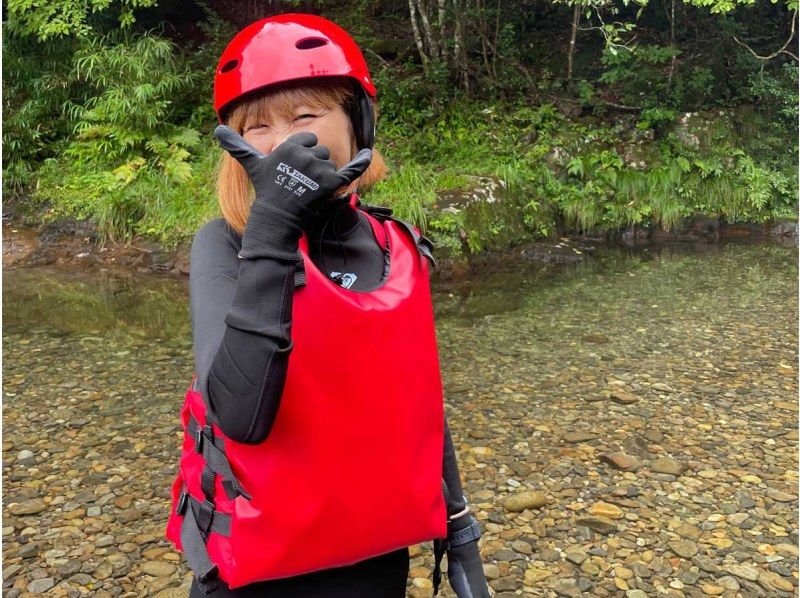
215, 247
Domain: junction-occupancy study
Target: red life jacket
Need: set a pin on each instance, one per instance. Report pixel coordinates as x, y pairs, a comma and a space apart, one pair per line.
352, 467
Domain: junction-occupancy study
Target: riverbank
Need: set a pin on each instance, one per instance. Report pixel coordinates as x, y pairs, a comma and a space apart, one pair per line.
70, 243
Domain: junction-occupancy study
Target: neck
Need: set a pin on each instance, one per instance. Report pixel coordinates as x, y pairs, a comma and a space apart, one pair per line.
336, 216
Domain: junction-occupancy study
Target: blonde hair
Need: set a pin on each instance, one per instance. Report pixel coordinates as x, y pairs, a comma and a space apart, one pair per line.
234, 190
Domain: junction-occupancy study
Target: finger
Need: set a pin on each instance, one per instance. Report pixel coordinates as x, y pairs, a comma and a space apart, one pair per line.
236, 146
355, 167
321, 152
305, 138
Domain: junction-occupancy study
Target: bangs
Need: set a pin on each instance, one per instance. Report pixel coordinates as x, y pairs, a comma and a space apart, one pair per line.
279, 103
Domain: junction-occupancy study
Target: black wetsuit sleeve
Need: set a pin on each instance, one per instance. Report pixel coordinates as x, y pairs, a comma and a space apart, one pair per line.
241, 313
456, 500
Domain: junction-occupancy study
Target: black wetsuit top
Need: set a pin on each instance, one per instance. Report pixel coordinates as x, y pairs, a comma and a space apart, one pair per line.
241, 321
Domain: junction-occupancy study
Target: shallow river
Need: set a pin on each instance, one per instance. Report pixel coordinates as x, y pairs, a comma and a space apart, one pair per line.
626, 426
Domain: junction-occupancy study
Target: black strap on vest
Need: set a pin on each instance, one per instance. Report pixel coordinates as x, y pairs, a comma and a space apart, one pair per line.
213, 450
194, 535
200, 518
424, 245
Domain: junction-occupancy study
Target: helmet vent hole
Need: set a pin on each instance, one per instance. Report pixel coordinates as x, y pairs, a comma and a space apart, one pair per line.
229, 66
310, 42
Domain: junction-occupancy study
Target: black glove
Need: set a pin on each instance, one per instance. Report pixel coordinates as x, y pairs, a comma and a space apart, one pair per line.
464, 565
290, 184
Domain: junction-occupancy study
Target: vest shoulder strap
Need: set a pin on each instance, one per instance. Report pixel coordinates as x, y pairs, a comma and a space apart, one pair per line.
424, 245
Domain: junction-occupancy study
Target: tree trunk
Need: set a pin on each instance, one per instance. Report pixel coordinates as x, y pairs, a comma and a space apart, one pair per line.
496, 33
430, 35
441, 20
480, 26
413, 7
576, 16
674, 58
460, 51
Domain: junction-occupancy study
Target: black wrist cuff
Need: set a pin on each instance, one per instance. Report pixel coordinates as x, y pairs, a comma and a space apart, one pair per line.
463, 536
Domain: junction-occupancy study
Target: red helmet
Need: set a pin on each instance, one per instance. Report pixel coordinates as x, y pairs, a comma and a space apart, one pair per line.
289, 47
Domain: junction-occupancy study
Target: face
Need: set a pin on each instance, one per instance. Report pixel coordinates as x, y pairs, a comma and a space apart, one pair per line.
332, 126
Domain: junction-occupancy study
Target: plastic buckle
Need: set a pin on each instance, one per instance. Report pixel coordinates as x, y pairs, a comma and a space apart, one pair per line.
183, 502
209, 575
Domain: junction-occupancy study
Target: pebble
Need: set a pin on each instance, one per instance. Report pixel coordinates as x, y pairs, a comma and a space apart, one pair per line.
520, 501
620, 460
157, 568
575, 555
40, 586
602, 525
743, 571
604, 509
667, 466
575, 436
28, 507
683, 548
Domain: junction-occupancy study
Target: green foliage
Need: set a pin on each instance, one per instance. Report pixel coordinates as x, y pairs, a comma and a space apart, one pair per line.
777, 90
637, 72
109, 122
128, 148
408, 192
61, 18
35, 87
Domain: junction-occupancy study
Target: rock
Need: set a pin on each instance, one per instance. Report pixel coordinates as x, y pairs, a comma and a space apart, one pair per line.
687, 530
751, 479
157, 568
779, 496
576, 436
729, 583
520, 501
602, 525
40, 586
604, 509
28, 507
128, 515
711, 590
667, 465
772, 580
747, 572
683, 548
623, 398
549, 555
620, 460
491, 571
575, 554
623, 572
534, 575
567, 587
705, 563
737, 518
787, 549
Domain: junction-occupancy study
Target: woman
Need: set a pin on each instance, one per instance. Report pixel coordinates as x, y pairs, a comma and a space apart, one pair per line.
316, 448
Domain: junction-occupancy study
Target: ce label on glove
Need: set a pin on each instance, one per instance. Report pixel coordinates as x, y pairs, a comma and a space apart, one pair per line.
295, 181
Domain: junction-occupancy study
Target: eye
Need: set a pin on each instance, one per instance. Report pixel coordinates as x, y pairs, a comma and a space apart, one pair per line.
304, 116
256, 127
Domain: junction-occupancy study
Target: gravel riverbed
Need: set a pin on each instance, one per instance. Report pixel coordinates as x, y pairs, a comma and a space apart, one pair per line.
626, 426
